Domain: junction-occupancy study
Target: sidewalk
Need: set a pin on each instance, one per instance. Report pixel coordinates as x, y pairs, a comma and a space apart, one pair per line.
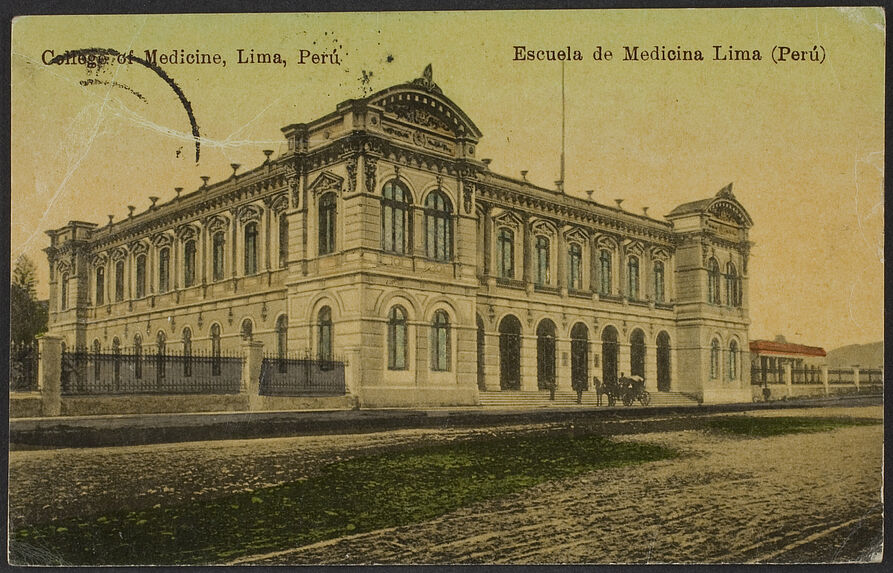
134, 429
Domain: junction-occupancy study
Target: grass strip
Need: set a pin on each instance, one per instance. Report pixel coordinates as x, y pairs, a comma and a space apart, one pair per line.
346, 497
764, 427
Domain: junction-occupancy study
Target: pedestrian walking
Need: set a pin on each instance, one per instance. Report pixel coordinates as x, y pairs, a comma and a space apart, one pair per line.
597, 386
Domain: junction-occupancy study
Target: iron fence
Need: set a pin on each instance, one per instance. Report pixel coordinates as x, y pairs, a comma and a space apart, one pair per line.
806, 376
89, 372
841, 376
302, 376
872, 376
24, 358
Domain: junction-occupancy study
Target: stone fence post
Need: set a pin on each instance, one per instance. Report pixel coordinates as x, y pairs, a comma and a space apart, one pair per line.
253, 350
825, 379
856, 376
49, 374
788, 380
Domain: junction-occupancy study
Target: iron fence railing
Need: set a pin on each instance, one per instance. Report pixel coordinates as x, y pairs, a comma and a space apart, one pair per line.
871, 376
806, 376
841, 376
302, 376
89, 372
23, 361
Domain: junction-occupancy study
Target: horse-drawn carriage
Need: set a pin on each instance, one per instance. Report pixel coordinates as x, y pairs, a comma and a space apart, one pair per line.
627, 391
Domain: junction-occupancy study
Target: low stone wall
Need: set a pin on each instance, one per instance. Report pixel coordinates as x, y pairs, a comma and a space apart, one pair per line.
274, 403
779, 391
154, 404
25, 404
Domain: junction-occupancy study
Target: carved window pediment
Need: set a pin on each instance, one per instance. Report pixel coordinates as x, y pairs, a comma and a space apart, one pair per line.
326, 181
218, 223
139, 247
162, 240
541, 227
507, 219
635, 248
659, 253
606, 242
186, 232
119, 254
577, 235
250, 213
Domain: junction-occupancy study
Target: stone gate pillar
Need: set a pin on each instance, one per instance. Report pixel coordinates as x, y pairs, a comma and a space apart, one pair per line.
787, 379
253, 351
825, 378
49, 374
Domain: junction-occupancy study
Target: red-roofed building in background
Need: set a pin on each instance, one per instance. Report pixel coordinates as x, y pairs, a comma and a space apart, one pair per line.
769, 357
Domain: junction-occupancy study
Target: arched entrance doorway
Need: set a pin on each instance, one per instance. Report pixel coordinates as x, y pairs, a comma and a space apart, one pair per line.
510, 353
480, 352
579, 355
545, 354
637, 353
609, 355
663, 362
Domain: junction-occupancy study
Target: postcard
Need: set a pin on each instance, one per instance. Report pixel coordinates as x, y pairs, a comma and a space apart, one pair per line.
494, 287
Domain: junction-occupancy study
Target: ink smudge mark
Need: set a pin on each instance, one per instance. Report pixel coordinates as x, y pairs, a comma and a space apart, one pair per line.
147, 64
92, 82
390, 58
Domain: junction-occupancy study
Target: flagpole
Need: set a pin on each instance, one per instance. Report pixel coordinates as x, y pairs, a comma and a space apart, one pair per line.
561, 177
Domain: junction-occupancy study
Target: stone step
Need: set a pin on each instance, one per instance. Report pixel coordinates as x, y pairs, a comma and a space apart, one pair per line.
540, 398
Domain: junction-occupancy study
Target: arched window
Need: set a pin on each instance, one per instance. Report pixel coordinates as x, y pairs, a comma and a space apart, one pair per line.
733, 295
440, 342
119, 281
164, 269
215, 349
140, 276
541, 276
659, 294
63, 299
219, 245
505, 246
632, 278
247, 329
250, 249
327, 212
395, 221
137, 356
575, 266
187, 351
604, 275
189, 263
325, 333
283, 241
100, 286
397, 339
712, 281
714, 359
439, 226
733, 360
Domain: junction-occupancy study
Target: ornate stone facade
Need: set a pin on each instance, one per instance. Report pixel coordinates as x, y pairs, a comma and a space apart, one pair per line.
380, 237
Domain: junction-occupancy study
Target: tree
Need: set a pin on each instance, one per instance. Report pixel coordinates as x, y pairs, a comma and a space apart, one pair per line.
28, 316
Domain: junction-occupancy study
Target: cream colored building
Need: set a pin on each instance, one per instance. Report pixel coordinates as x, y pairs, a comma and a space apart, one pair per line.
381, 238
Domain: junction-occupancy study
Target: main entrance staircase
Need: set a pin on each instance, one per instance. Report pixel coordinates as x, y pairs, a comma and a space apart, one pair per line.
509, 399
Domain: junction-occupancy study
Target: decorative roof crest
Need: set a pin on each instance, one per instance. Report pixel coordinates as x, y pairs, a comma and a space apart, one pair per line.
426, 82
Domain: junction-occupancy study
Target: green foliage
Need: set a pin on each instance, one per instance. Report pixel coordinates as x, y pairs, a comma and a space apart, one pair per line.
347, 497
762, 427
28, 316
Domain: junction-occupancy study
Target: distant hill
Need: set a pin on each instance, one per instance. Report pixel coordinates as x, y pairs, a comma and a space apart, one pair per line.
865, 355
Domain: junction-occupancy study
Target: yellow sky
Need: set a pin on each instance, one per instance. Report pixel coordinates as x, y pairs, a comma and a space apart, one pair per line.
803, 142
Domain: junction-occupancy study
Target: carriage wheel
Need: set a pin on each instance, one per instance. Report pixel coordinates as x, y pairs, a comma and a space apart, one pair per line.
627, 399
645, 398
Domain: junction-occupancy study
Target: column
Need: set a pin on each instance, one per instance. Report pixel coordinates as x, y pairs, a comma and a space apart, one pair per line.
528, 363
234, 267
825, 378
203, 237
49, 374
787, 379
266, 241
856, 376
562, 247
488, 239
526, 252
651, 367
563, 362
623, 356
